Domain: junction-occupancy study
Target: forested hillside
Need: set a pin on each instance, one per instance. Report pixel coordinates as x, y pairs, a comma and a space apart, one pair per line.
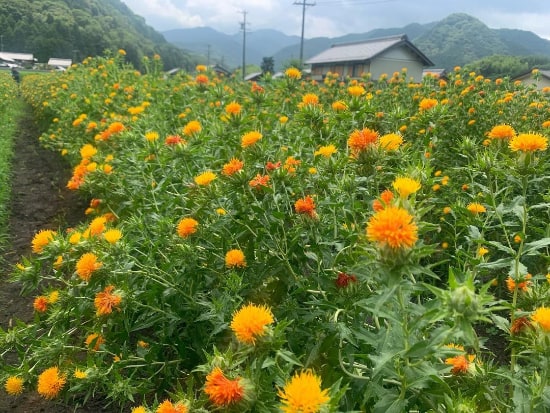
75, 29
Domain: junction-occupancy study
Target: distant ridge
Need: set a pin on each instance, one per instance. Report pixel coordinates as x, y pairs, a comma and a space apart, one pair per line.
455, 40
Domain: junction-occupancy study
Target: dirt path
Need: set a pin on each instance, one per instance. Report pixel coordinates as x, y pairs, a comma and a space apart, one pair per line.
39, 200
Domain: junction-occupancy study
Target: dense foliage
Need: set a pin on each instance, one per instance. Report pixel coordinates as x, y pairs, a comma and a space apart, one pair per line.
76, 29
295, 246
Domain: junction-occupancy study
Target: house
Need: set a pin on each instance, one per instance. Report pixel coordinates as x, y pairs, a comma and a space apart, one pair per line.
59, 64
220, 70
435, 73
16, 59
541, 80
384, 55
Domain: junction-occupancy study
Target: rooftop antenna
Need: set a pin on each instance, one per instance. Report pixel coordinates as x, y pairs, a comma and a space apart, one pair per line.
243, 28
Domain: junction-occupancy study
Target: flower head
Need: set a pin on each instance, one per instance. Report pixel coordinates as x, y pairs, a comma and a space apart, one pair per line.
40, 304
235, 258
460, 363
345, 279
205, 178
106, 301
427, 104
192, 128
406, 186
303, 393
187, 227
394, 227
541, 316
391, 142
232, 167
250, 322
529, 142
476, 208
97, 226
250, 138
293, 73
14, 385
42, 239
502, 132
86, 265
326, 151
222, 391
233, 108
94, 341
305, 206
310, 99
50, 383
360, 140
112, 236
168, 407
259, 181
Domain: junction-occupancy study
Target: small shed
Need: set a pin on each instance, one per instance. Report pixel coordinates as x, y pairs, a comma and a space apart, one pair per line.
384, 55
59, 63
541, 80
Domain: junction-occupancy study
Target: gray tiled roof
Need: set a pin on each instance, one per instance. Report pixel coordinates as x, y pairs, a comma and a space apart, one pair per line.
361, 51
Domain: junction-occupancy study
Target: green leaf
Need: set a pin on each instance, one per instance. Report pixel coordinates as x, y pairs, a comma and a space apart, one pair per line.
531, 248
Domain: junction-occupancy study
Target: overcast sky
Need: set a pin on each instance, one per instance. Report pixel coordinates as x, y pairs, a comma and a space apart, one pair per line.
333, 18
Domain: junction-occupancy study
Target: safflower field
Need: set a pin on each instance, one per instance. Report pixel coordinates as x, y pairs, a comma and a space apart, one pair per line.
290, 245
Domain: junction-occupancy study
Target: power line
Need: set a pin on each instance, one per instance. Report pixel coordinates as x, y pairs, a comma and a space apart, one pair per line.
303, 3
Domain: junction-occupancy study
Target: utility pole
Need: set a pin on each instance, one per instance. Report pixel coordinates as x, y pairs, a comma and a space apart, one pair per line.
303, 3
208, 56
243, 28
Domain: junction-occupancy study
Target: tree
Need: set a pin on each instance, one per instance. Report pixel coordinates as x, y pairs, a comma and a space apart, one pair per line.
268, 65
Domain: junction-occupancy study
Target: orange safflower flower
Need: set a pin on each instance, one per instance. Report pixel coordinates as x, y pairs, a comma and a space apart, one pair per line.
173, 140
87, 151
476, 208
310, 99
42, 239
427, 104
359, 140
394, 227
233, 108
303, 393
187, 227
519, 325
250, 138
14, 385
522, 285
106, 301
205, 178
201, 79
168, 407
305, 206
235, 258
326, 151
116, 127
460, 363
259, 181
541, 316
271, 166
86, 265
222, 391
50, 383
529, 142
502, 132
40, 303
112, 236
356, 91
232, 167
405, 186
339, 106
293, 73
250, 322
391, 142
290, 164
97, 226
193, 127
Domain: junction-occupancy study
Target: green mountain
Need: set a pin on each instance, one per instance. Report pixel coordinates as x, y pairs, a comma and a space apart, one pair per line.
75, 29
457, 40
227, 49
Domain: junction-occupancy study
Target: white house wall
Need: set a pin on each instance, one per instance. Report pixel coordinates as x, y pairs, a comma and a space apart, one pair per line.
395, 60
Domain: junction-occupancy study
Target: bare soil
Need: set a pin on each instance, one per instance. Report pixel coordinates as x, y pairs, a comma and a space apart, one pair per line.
39, 200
